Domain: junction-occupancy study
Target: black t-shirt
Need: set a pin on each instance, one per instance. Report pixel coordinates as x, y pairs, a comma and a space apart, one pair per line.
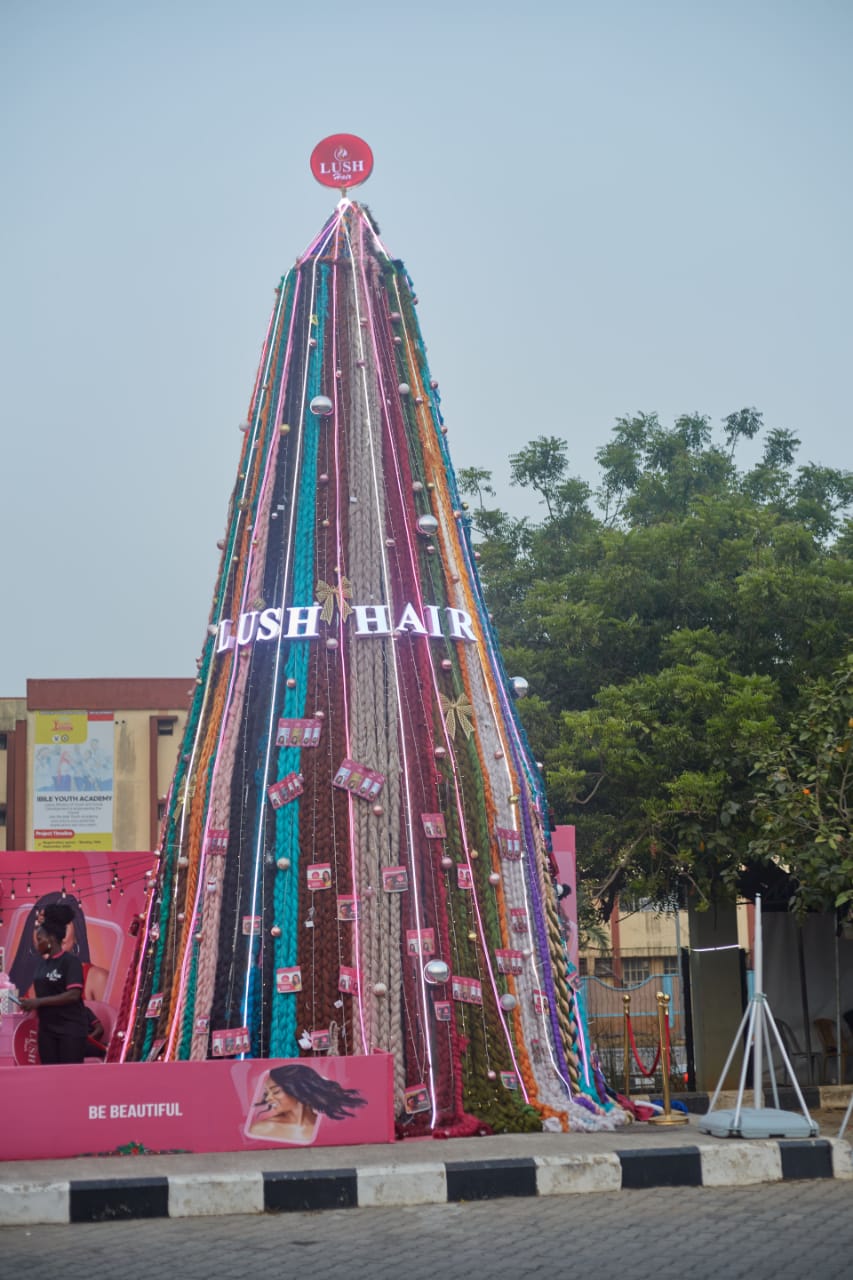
53, 976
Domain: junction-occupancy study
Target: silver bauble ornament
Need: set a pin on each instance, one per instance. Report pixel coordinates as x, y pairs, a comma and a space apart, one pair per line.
436, 972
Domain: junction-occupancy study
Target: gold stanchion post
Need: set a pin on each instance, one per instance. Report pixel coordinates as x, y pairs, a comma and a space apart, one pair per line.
626, 1044
668, 1117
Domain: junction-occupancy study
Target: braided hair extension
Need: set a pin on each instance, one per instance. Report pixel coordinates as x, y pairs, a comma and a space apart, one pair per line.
224, 725
469, 773
295, 670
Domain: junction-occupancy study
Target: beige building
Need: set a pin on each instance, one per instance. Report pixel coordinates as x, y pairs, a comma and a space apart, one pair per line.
641, 940
88, 763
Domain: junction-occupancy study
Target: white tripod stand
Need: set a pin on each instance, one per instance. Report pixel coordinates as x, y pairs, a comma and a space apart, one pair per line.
758, 1121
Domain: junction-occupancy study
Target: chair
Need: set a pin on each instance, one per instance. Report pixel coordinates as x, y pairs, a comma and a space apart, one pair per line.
794, 1052
826, 1029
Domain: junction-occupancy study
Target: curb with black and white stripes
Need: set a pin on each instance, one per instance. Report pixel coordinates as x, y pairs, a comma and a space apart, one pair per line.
398, 1184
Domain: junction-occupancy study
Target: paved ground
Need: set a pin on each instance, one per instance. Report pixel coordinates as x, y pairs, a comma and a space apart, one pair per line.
781, 1231
407, 1177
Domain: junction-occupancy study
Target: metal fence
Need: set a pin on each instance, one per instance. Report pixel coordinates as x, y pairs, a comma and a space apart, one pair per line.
605, 1010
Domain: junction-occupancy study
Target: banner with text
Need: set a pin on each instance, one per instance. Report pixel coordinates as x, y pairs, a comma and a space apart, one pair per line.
253, 1105
73, 780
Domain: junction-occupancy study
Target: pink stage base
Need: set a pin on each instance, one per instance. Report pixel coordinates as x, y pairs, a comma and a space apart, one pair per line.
52, 1112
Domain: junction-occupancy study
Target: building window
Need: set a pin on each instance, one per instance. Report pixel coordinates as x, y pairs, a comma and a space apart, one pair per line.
161, 810
4, 743
603, 968
2, 815
165, 728
667, 964
635, 969
583, 966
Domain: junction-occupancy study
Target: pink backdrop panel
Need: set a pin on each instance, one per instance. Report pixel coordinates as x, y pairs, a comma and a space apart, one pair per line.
52, 1112
563, 849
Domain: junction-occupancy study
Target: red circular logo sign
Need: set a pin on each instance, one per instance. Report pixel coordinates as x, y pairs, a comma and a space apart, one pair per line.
25, 1045
343, 160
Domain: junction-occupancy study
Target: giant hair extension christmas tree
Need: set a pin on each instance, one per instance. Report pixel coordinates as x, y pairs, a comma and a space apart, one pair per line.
355, 854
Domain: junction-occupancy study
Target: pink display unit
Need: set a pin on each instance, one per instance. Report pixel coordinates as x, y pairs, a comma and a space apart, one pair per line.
252, 1105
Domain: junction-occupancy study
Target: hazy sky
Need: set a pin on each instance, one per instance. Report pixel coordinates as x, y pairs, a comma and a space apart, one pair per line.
606, 208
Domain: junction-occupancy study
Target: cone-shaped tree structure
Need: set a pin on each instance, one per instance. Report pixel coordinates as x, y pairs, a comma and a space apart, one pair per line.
355, 855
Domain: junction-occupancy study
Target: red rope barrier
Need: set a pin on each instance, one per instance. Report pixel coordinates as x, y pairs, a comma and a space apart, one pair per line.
653, 1067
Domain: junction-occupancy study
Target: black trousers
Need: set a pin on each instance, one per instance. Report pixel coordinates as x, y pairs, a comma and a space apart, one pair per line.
55, 1049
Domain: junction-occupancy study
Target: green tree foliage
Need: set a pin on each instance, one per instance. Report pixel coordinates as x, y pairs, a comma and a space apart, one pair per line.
804, 794
668, 625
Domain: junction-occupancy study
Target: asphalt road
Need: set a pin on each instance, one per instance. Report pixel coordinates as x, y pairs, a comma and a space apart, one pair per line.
786, 1230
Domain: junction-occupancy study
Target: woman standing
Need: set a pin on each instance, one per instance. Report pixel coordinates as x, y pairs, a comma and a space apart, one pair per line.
58, 986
